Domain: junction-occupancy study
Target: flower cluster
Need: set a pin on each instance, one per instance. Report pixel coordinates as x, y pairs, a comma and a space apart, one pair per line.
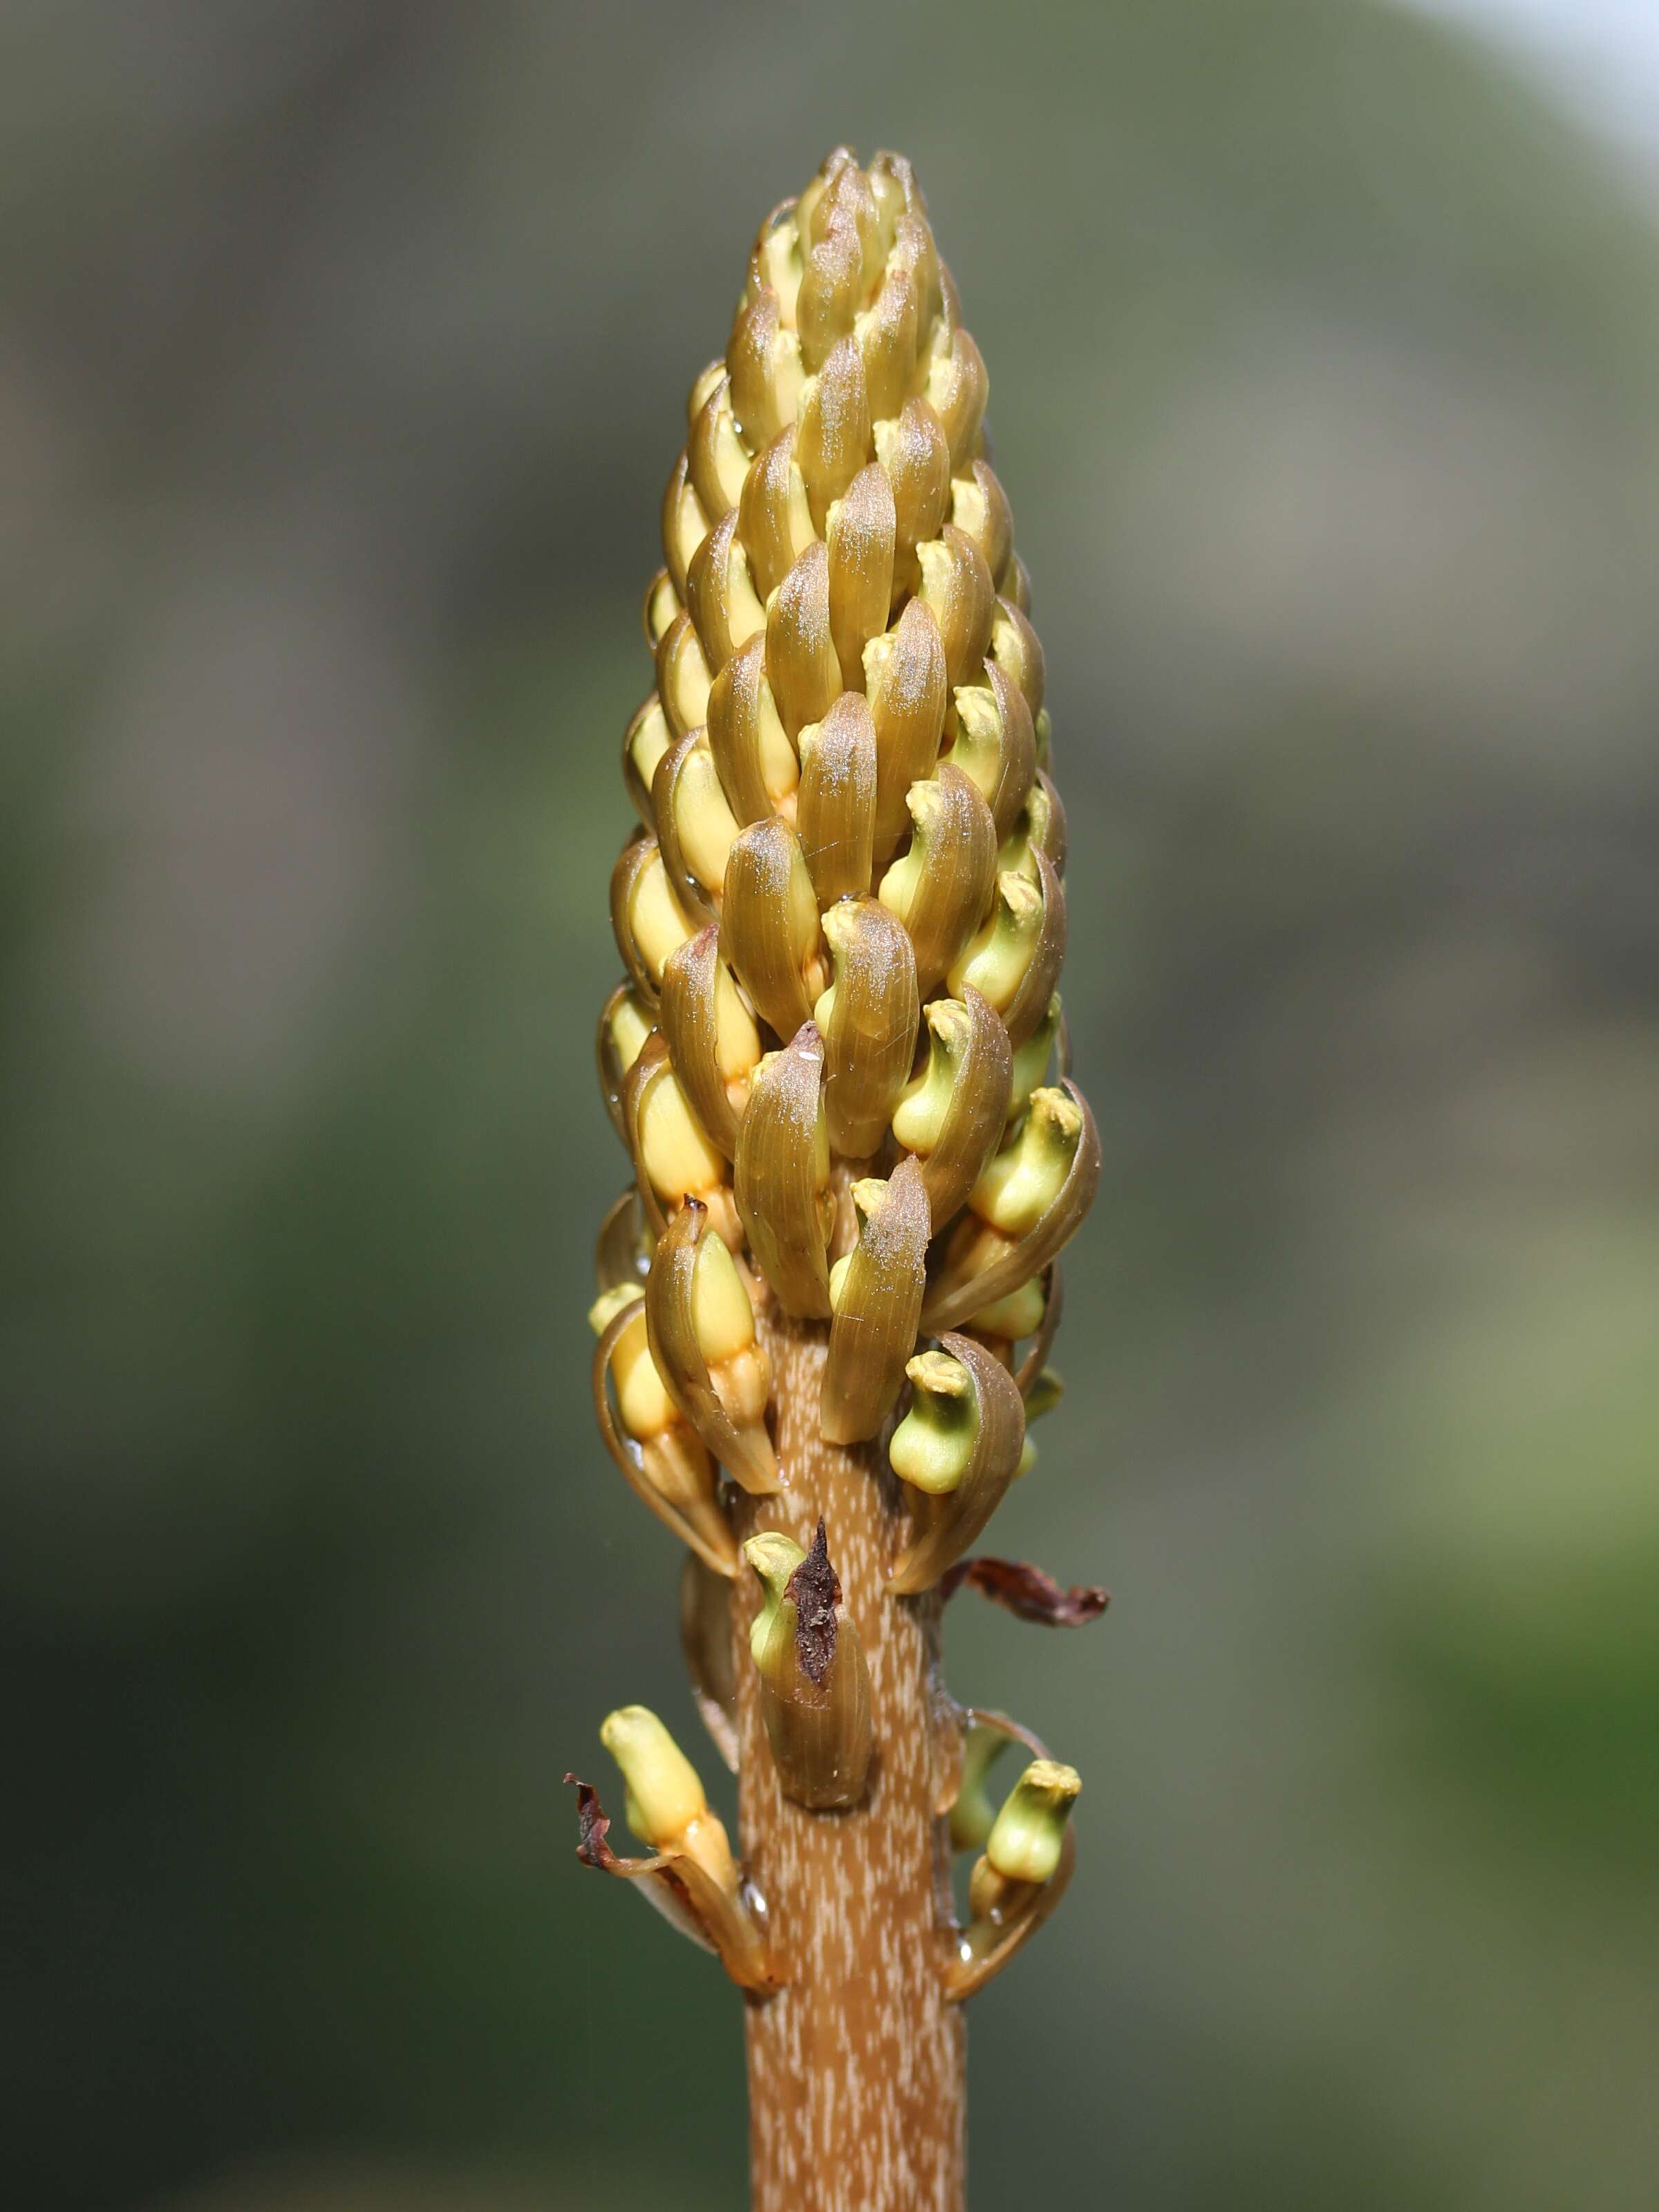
837, 1059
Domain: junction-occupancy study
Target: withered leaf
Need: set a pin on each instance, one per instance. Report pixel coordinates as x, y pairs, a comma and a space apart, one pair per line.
592, 1823
1026, 1592
814, 1591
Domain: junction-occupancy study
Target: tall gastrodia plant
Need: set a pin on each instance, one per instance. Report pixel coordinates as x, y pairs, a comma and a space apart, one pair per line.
828, 1296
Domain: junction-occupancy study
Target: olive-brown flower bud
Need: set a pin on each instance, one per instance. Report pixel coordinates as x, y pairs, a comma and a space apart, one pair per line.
876, 1292
753, 757
836, 806
1016, 650
956, 587
868, 1019
800, 654
694, 825
684, 525
624, 1025
661, 604
673, 1155
682, 676
774, 519
769, 925
645, 741
700, 1325
916, 454
951, 1116
782, 1176
815, 1686
715, 460
1015, 959
994, 746
978, 507
710, 1034
663, 1461
904, 681
957, 388
983, 1263
957, 1448
648, 917
859, 544
766, 368
941, 886
833, 435
723, 601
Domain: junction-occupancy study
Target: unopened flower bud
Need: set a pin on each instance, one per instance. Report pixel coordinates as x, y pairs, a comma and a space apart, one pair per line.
1022, 1181
1002, 956
860, 541
694, 825
624, 1025
721, 595
800, 656
939, 887
1016, 651
957, 388
904, 681
781, 1180
774, 520
957, 1449
934, 1445
983, 1264
815, 1686
676, 1155
994, 746
661, 605
980, 509
684, 525
876, 1294
701, 1328
868, 1020
682, 676
951, 1116
666, 1805
769, 925
836, 806
754, 759
710, 1034
647, 915
956, 587
715, 458
916, 455
660, 1455
1024, 1844
647, 739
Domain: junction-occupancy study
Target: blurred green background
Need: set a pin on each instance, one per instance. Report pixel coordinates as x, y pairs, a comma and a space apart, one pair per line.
346, 358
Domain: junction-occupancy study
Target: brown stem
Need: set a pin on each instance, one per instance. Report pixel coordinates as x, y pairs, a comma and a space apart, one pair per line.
856, 2068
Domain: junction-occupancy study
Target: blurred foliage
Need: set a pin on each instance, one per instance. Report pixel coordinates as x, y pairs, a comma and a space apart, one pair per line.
349, 352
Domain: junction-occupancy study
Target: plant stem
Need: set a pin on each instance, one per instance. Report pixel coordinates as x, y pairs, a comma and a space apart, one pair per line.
857, 2067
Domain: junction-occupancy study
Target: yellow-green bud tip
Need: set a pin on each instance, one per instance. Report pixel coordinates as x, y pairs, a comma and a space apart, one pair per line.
1025, 1843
